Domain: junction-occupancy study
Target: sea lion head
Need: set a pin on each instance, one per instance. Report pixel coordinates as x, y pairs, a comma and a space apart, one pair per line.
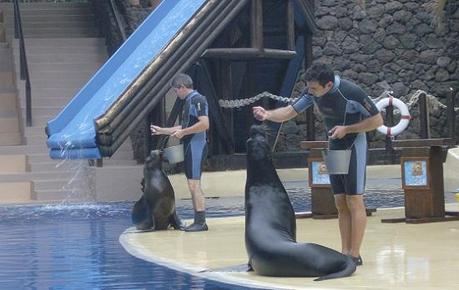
257, 144
154, 160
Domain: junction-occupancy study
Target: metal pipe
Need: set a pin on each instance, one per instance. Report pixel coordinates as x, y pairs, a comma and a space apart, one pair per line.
116, 14
24, 69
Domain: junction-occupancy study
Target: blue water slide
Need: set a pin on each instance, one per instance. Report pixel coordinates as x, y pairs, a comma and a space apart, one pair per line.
72, 133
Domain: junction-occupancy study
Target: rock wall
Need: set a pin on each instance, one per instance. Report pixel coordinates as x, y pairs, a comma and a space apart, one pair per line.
388, 45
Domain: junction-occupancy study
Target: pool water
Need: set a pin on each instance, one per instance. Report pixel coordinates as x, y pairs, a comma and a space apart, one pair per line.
75, 246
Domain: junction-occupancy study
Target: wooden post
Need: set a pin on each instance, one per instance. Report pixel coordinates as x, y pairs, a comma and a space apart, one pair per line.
424, 131
389, 123
290, 26
226, 93
256, 25
451, 114
322, 200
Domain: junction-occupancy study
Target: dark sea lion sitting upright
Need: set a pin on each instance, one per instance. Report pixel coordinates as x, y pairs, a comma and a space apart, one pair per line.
155, 210
270, 226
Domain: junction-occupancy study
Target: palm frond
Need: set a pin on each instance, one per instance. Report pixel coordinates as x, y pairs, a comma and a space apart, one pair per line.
437, 8
361, 3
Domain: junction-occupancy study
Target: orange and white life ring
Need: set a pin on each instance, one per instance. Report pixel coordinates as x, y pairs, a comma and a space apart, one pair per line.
404, 118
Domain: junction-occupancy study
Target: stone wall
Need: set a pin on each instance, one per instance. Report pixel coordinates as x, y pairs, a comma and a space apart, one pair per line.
391, 45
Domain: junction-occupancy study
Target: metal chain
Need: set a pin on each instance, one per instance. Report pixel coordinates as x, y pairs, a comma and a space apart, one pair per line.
410, 100
432, 101
230, 104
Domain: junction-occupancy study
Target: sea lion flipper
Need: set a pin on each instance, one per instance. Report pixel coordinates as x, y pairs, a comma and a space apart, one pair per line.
234, 268
249, 267
349, 268
176, 222
141, 215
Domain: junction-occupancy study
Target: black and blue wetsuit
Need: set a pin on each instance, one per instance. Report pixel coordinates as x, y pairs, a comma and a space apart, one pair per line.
345, 104
194, 145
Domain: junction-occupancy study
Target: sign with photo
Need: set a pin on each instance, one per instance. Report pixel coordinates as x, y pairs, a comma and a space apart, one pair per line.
415, 173
319, 173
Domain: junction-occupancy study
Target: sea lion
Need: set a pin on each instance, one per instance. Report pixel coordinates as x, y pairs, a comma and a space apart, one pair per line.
155, 210
270, 226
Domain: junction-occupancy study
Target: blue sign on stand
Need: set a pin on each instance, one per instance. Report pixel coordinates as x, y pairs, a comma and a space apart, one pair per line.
415, 173
319, 174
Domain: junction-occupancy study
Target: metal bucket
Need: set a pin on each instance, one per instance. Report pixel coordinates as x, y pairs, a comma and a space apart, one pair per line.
337, 161
174, 154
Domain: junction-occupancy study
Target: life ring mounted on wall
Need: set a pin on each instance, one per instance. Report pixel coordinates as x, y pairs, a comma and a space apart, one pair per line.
404, 118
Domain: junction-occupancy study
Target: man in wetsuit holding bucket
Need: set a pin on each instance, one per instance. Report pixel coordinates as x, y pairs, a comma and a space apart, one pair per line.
195, 122
348, 113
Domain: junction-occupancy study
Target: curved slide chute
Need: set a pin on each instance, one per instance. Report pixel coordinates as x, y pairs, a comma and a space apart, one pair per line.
130, 84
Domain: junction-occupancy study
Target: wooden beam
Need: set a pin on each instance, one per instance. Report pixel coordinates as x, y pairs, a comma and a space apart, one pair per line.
444, 142
256, 25
247, 53
290, 26
313, 144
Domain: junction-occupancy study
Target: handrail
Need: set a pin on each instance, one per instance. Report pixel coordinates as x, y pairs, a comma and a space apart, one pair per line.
24, 68
117, 15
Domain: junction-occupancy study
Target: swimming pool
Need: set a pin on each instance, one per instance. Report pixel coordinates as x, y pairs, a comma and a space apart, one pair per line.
75, 246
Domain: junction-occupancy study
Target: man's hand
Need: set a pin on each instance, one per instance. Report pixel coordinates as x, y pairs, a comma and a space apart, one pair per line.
260, 113
156, 130
337, 132
179, 134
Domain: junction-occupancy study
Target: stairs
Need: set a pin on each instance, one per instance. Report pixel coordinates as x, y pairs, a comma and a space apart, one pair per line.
63, 52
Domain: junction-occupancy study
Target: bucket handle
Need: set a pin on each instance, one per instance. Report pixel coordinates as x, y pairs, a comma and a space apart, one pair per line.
162, 142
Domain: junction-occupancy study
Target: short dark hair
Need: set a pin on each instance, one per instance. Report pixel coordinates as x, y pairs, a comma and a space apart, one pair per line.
319, 72
182, 80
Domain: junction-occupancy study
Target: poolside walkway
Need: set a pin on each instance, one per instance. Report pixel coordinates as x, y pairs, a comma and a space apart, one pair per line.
396, 256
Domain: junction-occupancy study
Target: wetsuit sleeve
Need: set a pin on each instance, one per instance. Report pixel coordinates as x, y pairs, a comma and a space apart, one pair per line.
362, 103
201, 106
303, 102
369, 106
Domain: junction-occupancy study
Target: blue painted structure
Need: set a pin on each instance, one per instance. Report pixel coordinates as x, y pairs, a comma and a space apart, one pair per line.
72, 133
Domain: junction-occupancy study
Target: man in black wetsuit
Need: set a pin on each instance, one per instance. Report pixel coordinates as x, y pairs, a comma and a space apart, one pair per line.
348, 113
195, 122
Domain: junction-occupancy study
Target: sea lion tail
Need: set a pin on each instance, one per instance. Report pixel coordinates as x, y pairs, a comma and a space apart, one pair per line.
347, 271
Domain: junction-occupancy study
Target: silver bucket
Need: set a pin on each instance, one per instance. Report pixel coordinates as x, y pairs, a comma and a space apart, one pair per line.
174, 154
337, 161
